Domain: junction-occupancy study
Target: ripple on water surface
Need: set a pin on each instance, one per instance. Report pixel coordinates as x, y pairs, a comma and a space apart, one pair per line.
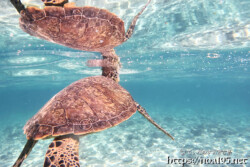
33, 72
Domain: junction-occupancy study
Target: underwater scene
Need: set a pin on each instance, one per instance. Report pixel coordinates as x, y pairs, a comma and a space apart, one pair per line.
187, 63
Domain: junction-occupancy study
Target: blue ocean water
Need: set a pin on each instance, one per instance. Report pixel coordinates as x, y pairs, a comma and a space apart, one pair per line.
187, 64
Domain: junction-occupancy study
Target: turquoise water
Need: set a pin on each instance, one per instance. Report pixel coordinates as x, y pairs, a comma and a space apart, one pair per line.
187, 64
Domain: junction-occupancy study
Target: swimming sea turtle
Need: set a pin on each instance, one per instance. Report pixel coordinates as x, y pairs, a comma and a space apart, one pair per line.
84, 28
86, 106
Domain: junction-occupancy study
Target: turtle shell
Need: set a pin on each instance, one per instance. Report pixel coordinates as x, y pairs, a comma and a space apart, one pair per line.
88, 105
83, 28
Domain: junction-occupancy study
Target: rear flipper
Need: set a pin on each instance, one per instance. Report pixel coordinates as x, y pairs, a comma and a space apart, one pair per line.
145, 114
63, 152
132, 25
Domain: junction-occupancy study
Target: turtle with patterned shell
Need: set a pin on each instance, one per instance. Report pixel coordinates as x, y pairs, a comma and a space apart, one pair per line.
83, 28
88, 105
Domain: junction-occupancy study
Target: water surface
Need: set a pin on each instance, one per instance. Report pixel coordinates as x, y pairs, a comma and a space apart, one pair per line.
187, 63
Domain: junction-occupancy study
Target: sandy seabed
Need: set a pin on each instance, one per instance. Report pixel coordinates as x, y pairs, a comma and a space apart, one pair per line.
137, 143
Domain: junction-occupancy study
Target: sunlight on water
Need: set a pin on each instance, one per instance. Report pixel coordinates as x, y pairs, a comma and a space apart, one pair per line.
90, 72
175, 25
26, 60
187, 63
33, 72
70, 65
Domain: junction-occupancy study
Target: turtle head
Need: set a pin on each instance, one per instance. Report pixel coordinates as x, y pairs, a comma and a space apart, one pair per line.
55, 2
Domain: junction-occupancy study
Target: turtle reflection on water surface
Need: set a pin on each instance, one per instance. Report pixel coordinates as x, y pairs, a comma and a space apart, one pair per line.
88, 105
83, 28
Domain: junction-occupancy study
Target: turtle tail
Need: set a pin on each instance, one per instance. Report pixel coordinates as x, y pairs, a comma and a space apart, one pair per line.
26, 150
63, 151
145, 114
18, 5
133, 23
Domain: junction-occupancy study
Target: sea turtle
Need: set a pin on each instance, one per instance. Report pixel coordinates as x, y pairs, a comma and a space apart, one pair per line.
90, 104
84, 28
86, 106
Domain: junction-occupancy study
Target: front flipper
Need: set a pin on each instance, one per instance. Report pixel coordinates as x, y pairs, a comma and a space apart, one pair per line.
145, 114
18, 5
26, 150
63, 152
